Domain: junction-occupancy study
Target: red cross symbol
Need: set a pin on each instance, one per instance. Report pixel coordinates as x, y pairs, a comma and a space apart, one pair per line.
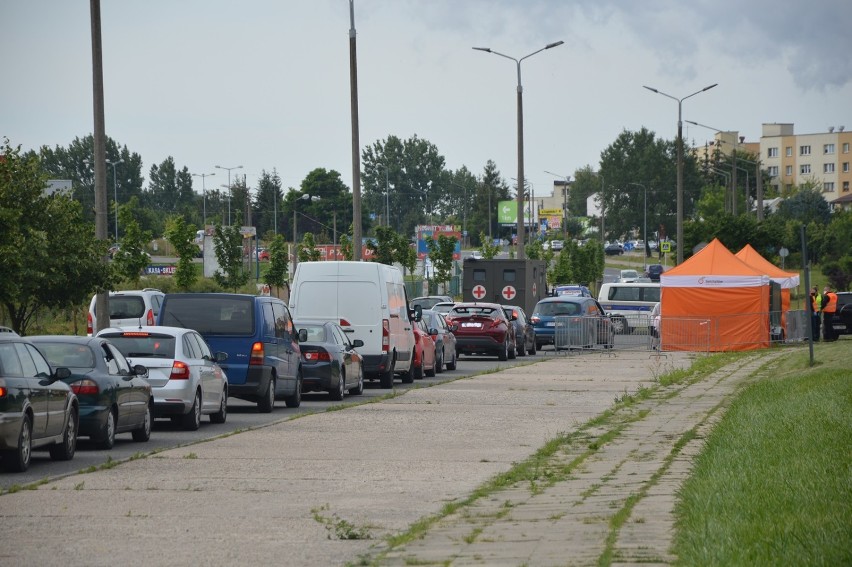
509, 292
534, 289
478, 291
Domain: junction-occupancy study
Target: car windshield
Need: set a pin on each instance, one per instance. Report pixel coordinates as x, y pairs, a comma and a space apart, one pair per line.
67, 355
211, 315
474, 311
629, 274
557, 308
144, 345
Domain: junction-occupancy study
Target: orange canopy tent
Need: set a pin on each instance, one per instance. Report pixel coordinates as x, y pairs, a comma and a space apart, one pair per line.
714, 301
787, 280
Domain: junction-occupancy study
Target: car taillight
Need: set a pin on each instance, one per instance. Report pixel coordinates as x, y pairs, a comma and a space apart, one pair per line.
150, 319
85, 387
89, 324
385, 335
345, 322
317, 356
3, 391
257, 355
180, 371
535, 319
496, 322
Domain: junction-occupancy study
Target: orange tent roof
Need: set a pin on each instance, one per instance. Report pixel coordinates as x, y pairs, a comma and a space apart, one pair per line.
714, 259
753, 258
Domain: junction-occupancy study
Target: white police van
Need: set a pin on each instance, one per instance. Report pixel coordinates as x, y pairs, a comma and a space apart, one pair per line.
629, 304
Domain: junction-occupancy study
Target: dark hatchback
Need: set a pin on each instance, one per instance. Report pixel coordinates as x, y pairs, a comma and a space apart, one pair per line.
37, 409
842, 321
330, 362
654, 271
524, 330
114, 396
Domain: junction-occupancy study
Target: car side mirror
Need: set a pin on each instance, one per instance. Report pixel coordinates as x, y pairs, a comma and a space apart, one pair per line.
417, 313
303, 335
453, 328
357, 343
140, 370
62, 373
433, 332
220, 356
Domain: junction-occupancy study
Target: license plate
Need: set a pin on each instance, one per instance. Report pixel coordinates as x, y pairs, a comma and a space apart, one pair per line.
550, 324
839, 327
474, 325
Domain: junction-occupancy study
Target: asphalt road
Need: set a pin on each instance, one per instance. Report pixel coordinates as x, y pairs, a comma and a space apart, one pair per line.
242, 415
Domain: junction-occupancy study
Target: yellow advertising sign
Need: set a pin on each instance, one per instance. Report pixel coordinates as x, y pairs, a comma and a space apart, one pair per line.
550, 212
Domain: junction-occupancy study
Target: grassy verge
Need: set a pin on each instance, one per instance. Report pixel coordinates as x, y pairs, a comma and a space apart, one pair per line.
773, 485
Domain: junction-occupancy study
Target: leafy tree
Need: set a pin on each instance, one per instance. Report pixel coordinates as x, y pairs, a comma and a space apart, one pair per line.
839, 272
49, 256
346, 246
535, 250
711, 203
562, 270
384, 246
586, 183
169, 192
441, 252
268, 208
492, 188
639, 157
807, 205
276, 275
307, 249
414, 171
131, 258
228, 244
406, 255
487, 247
181, 235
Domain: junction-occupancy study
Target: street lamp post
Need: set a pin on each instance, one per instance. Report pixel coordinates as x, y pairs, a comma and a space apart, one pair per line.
520, 111
204, 193
115, 193
229, 187
567, 179
387, 194
680, 162
644, 227
733, 165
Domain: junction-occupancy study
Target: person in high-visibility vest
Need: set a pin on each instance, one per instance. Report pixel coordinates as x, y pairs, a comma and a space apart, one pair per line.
816, 304
829, 306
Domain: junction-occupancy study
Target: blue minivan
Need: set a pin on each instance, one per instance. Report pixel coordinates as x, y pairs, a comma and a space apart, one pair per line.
257, 334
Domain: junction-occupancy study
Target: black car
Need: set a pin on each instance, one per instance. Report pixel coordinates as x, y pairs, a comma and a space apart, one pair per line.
524, 330
653, 271
842, 322
614, 249
37, 409
114, 396
330, 362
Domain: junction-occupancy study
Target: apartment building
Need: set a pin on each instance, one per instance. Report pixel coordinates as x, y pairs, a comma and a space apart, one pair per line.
821, 160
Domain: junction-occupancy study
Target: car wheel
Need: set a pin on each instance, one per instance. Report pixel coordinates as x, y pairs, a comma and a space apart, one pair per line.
107, 436
439, 361
18, 459
336, 394
533, 348
523, 350
143, 433
513, 351
222, 415
386, 378
359, 389
295, 400
267, 402
619, 324
192, 421
504, 351
65, 451
412, 372
453, 363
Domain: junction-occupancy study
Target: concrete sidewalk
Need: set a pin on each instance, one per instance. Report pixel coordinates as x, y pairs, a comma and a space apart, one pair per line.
292, 493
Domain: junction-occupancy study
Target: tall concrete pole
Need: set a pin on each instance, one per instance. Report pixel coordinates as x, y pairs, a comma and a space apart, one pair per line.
99, 135
356, 145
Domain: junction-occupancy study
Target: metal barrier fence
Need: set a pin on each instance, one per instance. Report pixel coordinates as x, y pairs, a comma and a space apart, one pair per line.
745, 331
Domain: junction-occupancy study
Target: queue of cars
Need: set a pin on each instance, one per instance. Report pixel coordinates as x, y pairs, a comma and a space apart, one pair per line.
182, 356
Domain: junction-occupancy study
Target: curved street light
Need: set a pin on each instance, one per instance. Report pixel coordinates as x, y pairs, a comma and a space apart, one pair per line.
521, 224
679, 162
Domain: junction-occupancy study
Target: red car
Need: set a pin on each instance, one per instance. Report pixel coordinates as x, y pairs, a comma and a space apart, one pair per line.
424, 351
482, 328
263, 255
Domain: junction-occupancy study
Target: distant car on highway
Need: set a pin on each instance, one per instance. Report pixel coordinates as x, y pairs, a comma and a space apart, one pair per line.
614, 249
627, 276
428, 301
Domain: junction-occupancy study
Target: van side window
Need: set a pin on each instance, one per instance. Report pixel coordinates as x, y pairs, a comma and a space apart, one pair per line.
479, 275
283, 324
268, 321
651, 294
509, 275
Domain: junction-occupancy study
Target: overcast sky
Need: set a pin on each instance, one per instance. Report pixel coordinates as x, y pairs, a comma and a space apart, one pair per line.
265, 83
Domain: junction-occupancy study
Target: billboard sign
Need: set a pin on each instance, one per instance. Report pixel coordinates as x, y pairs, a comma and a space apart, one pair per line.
507, 213
434, 231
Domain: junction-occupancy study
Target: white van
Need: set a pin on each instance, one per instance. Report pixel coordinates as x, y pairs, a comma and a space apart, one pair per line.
629, 304
369, 301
